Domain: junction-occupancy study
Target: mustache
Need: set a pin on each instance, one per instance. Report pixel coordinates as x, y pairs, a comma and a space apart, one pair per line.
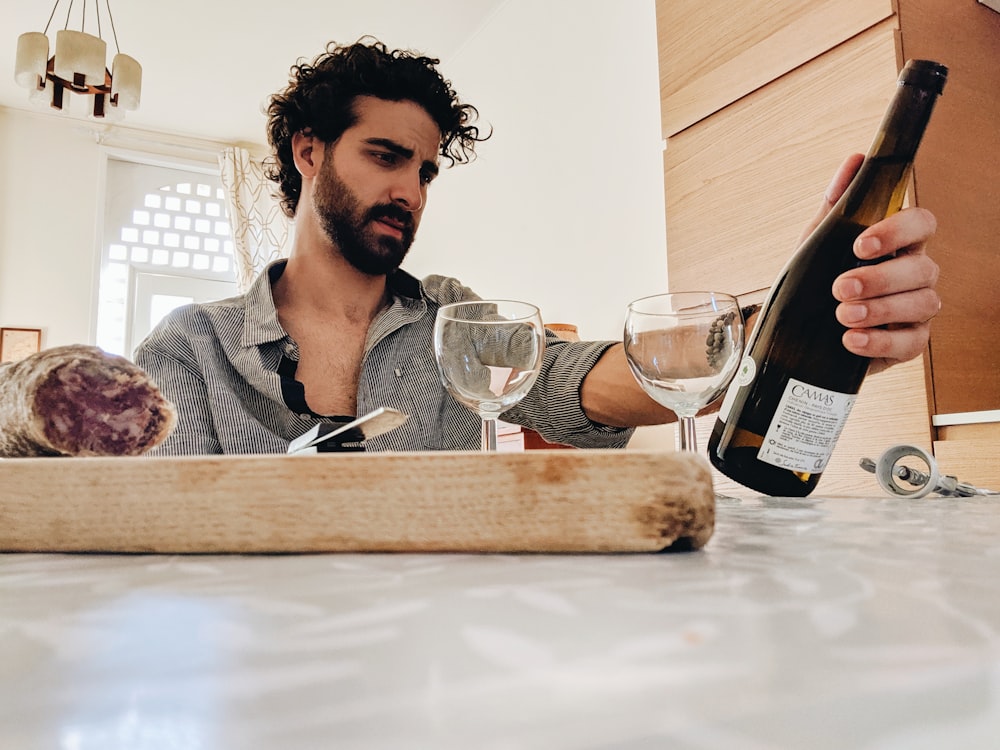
390, 211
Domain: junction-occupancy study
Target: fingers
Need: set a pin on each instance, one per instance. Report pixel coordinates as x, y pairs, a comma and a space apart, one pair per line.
887, 306
904, 273
886, 347
906, 308
895, 344
907, 230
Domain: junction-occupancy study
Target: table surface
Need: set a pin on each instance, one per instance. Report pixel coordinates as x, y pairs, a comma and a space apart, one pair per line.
816, 623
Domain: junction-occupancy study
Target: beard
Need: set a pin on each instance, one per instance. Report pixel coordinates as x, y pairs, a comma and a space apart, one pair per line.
350, 227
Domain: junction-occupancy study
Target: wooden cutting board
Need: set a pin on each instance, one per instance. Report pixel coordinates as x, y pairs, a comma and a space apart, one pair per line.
535, 501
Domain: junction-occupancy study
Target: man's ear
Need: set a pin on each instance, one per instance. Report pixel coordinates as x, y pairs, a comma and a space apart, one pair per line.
307, 152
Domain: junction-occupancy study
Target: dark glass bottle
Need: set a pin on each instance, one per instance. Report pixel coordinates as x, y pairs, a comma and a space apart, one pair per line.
782, 415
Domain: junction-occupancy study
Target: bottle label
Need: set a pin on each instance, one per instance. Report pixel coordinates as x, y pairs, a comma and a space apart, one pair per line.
744, 376
747, 371
805, 427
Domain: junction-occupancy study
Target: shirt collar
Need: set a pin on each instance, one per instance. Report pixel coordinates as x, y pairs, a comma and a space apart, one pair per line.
260, 317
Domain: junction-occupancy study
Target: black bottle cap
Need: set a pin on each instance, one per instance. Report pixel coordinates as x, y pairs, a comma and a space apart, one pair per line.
926, 74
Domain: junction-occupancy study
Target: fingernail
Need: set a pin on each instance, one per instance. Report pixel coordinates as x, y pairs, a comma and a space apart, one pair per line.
848, 289
853, 313
856, 339
867, 246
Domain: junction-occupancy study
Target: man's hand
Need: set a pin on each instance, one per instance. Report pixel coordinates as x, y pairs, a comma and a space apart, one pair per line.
886, 307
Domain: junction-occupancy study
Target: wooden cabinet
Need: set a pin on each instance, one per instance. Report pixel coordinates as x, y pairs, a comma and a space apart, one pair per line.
958, 178
762, 101
714, 53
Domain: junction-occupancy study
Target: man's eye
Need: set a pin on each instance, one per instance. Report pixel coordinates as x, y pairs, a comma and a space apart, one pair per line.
426, 178
385, 157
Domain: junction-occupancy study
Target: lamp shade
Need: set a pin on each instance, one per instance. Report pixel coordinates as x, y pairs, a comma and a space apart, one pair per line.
80, 53
42, 95
32, 58
126, 82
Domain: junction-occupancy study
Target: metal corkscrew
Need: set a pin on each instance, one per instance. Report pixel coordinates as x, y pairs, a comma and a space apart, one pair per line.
888, 470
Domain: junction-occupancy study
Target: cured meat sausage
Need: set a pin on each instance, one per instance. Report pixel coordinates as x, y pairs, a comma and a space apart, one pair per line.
80, 401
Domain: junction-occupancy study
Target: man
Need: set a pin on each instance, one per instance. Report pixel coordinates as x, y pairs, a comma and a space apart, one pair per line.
340, 329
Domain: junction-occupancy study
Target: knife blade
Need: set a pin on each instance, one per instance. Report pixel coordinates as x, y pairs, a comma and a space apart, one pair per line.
372, 424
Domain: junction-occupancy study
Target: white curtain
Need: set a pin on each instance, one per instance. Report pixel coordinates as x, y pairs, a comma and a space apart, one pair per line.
261, 232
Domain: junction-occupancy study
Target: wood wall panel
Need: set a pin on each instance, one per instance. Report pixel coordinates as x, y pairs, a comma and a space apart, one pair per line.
740, 186
714, 53
982, 431
958, 178
970, 453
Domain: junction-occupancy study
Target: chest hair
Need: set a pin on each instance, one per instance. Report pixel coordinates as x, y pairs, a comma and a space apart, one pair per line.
330, 366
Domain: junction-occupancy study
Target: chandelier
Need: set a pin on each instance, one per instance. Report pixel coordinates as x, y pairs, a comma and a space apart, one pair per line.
78, 65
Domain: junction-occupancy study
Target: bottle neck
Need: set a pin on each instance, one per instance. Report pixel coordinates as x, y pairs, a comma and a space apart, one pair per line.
879, 188
903, 125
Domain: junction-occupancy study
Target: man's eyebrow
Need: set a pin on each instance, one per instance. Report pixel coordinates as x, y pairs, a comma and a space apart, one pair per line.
390, 145
400, 150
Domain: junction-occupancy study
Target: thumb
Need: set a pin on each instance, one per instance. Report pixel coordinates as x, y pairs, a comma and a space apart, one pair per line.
841, 179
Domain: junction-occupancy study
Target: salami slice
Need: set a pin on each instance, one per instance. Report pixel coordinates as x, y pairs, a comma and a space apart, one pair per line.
80, 401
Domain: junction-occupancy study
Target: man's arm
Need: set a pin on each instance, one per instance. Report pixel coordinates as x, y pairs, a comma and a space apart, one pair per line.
887, 308
194, 433
611, 396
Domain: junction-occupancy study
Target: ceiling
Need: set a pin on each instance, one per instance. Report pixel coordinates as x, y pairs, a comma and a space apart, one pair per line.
210, 65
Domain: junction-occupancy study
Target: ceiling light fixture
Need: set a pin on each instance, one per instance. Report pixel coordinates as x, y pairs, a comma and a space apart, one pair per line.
78, 65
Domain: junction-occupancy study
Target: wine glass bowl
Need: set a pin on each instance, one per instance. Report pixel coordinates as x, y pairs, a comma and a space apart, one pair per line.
684, 349
488, 353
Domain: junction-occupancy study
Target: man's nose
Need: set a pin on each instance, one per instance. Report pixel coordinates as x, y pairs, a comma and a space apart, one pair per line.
408, 192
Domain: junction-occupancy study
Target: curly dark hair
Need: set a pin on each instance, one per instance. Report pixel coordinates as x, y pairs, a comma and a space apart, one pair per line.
320, 98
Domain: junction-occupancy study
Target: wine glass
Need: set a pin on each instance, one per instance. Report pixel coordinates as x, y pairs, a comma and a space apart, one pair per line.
489, 353
684, 349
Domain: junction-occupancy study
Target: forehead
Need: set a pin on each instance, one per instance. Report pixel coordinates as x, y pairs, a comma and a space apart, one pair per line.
404, 122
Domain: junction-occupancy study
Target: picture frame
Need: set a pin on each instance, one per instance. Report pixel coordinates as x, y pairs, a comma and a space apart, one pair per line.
18, 343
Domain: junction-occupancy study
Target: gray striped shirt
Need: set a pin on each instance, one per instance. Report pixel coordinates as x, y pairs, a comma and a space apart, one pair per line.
228, 366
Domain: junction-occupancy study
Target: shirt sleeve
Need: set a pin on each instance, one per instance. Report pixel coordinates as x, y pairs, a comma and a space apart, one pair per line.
553, 406
167, 358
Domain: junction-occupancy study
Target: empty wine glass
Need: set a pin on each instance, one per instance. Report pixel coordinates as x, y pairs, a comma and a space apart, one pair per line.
488, 354
684, 349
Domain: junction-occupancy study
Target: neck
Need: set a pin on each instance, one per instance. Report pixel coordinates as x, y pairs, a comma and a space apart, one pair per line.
318, 282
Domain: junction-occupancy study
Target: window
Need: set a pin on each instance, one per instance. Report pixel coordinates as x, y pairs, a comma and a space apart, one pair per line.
166, 243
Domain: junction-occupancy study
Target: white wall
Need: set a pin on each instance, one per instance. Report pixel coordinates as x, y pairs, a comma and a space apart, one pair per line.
564, 206
48, 208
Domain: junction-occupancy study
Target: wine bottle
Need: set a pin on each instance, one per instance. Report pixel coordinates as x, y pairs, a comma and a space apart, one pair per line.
782, 415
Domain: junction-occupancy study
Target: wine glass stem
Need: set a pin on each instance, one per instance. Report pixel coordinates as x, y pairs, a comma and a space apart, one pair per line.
687, 439
489, 434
